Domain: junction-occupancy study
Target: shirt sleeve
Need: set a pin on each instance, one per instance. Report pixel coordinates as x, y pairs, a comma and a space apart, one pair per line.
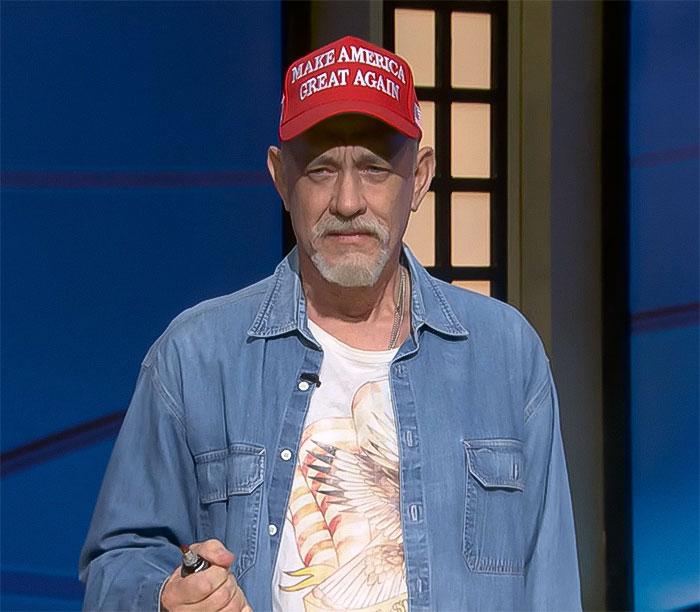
146, 506
551, 573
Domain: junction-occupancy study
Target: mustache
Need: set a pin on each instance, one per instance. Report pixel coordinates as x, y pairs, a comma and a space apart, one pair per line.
332, 225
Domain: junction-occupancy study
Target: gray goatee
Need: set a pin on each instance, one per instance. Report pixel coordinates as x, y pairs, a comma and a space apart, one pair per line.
357, 269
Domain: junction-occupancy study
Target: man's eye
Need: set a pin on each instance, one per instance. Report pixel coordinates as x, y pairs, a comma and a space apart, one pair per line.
376, 170
322, 171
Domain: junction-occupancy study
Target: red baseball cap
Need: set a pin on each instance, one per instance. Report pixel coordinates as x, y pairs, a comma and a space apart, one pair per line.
349, 75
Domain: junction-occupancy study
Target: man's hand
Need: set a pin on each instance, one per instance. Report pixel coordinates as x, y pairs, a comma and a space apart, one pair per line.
212, 590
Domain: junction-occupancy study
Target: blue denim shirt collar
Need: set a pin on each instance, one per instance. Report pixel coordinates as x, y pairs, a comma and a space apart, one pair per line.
284, 307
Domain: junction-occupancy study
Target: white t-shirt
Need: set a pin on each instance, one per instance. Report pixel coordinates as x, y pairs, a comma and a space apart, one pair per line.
342, 544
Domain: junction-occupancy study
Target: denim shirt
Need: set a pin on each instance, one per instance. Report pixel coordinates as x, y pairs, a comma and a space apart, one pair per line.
485, 505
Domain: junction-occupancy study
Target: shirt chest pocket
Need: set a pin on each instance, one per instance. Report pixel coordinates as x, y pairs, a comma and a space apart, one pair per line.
494, 532
229, 484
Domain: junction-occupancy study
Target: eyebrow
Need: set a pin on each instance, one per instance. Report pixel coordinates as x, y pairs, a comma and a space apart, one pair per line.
366, 157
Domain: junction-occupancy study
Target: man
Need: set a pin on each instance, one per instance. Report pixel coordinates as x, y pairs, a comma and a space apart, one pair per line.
350, 433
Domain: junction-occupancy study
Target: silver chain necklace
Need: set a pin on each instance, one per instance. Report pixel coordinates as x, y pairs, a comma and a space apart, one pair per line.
399, 310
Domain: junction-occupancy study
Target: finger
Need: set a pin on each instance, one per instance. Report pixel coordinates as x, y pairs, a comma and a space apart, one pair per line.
214, 552
238, 603
219, 599
194, 588
216, 601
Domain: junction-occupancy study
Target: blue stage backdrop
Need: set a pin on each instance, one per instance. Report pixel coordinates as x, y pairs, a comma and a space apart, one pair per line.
664, 296
134, 137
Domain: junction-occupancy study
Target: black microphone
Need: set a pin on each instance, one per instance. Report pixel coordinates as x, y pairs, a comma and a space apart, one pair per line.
312, 378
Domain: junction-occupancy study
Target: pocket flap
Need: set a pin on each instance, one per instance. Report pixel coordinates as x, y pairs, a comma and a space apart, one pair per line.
496, 463
237, 470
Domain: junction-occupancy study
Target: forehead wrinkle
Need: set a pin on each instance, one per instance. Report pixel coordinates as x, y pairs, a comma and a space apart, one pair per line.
357, 153
367, 156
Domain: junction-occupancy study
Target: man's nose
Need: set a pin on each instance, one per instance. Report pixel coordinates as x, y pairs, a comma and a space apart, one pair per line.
348, 200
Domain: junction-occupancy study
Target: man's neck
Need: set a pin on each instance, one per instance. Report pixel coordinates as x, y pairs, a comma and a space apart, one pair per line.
361, 317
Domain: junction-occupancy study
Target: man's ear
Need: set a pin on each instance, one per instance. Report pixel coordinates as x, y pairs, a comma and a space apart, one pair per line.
276, 169
425, 170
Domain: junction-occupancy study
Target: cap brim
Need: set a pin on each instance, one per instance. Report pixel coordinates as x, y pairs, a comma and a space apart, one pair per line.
302, 122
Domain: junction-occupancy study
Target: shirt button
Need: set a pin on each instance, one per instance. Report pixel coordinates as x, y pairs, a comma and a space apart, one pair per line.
272, 529
286, 454
303, 385
414, 511
409, 438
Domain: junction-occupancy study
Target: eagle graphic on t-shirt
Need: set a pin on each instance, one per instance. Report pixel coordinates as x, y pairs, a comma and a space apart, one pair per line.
345, 510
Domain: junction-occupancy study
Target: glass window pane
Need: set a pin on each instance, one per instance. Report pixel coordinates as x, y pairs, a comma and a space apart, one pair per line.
471, 140
420, 233
471, 50
414, 38
480, 286
428, 119
471, 229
